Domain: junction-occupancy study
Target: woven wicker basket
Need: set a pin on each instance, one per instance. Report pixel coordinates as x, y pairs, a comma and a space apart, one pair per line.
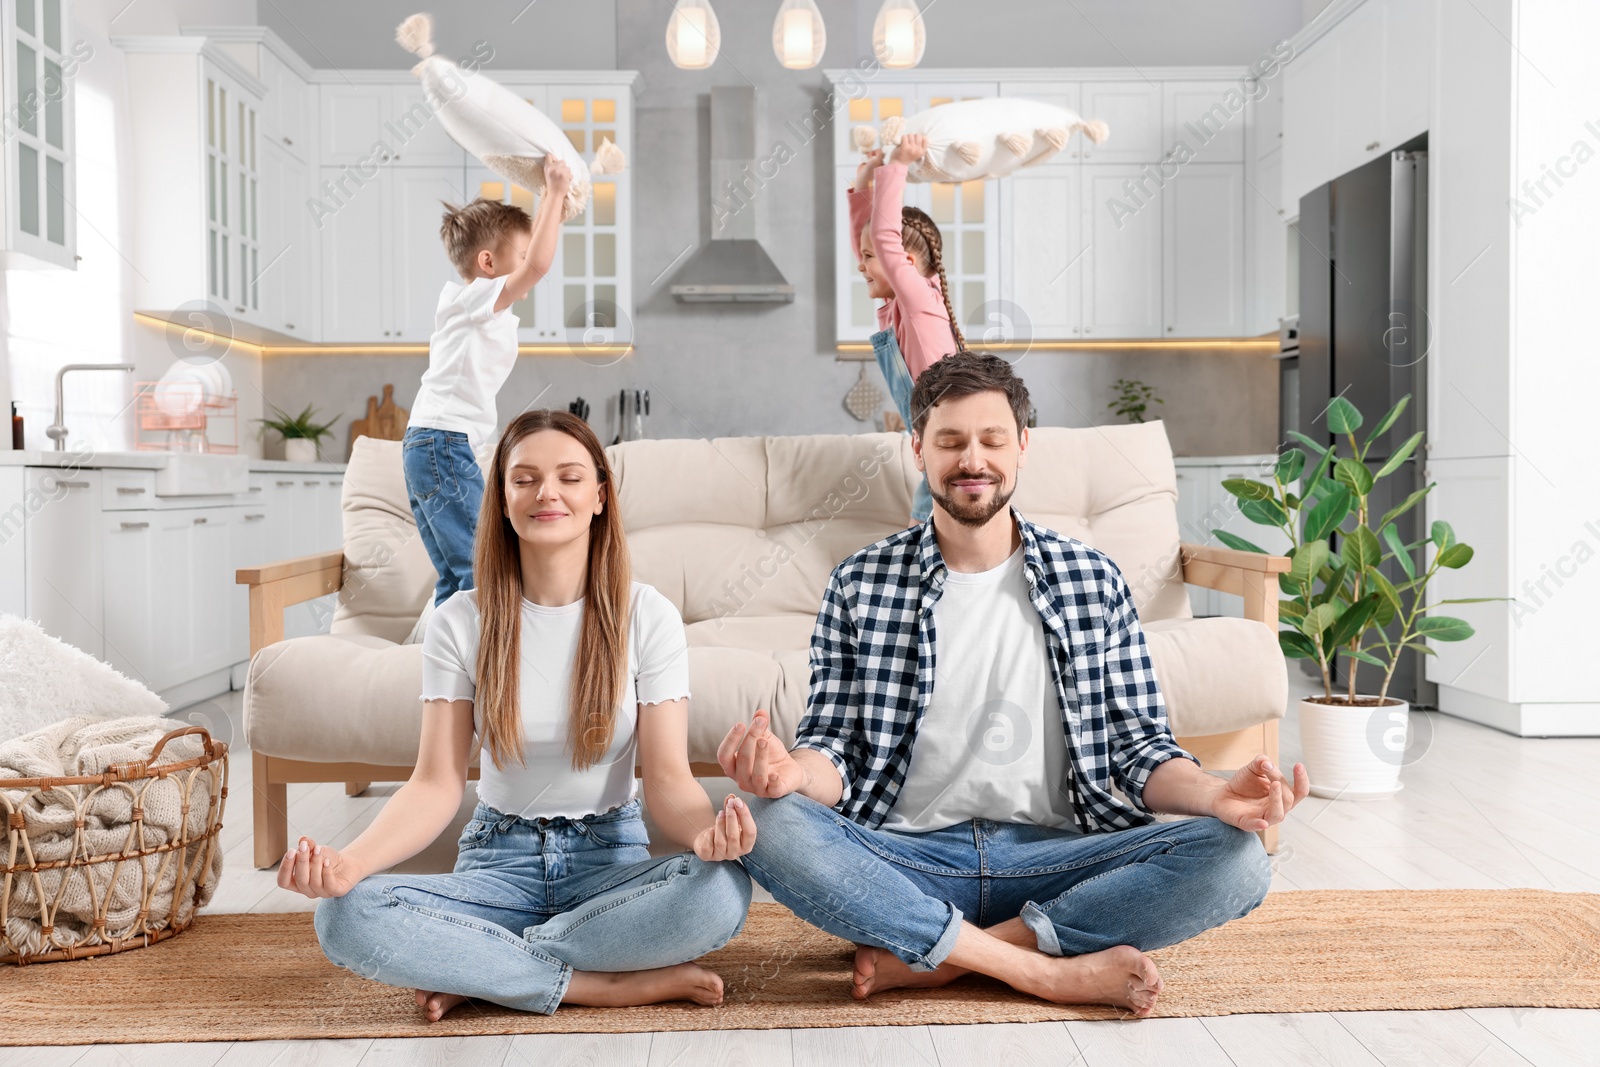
159, 914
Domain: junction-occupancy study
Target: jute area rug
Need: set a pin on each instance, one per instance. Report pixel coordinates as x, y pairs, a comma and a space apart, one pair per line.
263, 977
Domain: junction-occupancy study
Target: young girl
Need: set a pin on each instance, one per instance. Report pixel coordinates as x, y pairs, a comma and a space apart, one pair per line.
569, 673
901, 256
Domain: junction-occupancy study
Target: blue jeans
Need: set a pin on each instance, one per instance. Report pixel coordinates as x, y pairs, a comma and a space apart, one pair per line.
908, 893
893, 365
445, 489
531, 901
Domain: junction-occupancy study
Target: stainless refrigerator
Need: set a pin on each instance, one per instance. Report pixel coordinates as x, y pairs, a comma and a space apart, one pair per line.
1363, 335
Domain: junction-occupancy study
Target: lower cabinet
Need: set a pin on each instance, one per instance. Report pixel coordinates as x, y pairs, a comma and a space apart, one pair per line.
1204, 506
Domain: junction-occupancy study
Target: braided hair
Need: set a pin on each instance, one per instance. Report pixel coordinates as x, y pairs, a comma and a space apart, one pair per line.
920, 236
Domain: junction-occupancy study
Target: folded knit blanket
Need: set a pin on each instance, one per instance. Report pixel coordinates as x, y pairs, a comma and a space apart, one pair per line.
172, 808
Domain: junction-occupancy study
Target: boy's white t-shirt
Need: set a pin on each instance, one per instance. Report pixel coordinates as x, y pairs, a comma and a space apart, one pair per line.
658, 671
470, 356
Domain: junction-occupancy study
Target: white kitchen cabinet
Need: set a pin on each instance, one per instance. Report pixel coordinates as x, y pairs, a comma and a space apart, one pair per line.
1132, 110
286, 109
1310, 112
1122, 268
233, 215
1266, 293
61, 545
38, 225
1203, 251
14, 511
1041, 238
418, 264
1066, 94
382, 122
1207, 116
1408, 69
1358, 130
287, 251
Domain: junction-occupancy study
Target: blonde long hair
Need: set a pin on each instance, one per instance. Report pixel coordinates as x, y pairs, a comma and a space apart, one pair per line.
600, 665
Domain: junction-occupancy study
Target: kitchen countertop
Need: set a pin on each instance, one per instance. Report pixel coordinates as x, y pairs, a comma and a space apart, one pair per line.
149, 460
1221, 461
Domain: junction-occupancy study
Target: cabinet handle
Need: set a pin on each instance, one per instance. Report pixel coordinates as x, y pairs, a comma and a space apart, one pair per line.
289, 482
252, 518
313, 481
288, 326
1371, 146
1169, 329
201, 521
130, 490
134, 525
288, 140
254, 489
239, 309
72, 485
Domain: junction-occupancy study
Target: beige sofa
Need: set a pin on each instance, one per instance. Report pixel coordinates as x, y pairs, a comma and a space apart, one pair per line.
741, 534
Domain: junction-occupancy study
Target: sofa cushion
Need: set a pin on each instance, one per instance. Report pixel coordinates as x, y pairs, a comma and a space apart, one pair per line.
1114, 488
387, 574
1217, 674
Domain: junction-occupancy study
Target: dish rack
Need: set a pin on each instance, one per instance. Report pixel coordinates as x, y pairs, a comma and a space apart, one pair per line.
215, 422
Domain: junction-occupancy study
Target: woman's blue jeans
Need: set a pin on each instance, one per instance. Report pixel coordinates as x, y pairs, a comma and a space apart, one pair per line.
531, 901
445, 490
1148, 887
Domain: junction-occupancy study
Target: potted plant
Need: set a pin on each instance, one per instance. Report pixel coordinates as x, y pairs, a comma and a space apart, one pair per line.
1133, 397
300, 434
1341, 610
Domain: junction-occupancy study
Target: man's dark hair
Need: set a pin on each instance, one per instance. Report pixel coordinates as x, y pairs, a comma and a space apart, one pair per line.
963, 374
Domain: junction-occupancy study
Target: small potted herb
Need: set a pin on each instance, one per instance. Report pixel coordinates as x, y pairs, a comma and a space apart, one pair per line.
300, 434
1133, 397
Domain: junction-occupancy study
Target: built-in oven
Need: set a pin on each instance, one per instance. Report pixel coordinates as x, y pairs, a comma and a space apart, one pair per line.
1288, 358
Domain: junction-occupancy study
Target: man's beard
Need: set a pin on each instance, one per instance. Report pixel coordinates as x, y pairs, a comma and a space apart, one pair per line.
973, 513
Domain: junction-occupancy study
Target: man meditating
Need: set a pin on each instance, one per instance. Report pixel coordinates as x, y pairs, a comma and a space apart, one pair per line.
980, 686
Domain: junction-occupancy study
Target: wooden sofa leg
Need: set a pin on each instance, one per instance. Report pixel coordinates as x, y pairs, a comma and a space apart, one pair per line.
355, 789
269, 809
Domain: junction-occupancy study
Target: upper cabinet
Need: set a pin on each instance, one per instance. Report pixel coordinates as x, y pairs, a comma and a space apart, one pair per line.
37, 64
1358, 91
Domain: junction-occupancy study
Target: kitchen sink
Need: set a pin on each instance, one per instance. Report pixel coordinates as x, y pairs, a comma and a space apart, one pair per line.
199, 474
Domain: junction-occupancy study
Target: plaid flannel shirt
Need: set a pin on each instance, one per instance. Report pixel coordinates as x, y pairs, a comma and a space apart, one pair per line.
872, 669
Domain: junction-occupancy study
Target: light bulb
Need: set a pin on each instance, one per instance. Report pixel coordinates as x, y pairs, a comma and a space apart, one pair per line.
898, 34
693, 35
798, 34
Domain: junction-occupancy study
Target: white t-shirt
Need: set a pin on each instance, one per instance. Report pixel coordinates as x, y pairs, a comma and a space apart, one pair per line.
470, 356
658, 670
991, 744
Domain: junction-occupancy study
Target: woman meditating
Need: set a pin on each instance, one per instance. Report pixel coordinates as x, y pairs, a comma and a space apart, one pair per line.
569, 673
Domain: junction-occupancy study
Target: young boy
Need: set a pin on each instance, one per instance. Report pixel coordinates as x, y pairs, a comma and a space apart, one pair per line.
501, 254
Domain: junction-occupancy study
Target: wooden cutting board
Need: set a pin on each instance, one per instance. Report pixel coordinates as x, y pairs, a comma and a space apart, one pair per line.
385, 421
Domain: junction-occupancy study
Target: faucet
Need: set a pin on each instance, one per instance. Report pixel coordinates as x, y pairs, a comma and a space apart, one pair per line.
57, 431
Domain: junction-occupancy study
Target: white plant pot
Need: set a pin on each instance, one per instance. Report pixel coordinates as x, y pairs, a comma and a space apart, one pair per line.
299, 450
1354, 752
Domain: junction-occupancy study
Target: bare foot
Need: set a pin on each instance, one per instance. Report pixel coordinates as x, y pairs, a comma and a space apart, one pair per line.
1121, 976
878, 970
686, 981
434, 1005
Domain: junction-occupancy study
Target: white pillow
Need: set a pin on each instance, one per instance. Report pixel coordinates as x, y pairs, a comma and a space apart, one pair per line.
510, 135
44, 680
975, 139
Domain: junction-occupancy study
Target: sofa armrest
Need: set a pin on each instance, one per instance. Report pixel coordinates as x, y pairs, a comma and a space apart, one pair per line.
275, 586
1251, 575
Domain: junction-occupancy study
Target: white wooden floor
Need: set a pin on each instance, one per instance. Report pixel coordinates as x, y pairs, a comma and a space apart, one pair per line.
1480, 809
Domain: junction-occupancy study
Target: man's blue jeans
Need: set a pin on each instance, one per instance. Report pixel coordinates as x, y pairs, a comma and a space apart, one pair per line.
445, 490
908, 893
529, 902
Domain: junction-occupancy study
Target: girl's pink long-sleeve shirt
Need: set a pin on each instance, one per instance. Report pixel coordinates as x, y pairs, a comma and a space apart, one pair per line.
916, 310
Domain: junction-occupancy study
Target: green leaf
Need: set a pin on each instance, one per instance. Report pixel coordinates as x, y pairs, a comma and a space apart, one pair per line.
1318, 619
1235, 541
1384, 588
1366, 657
1455, 557
1354, 474
1296, 646
1327, 514
1442, 534
1401, 454
1391, 537
1361, 549
1386, 422
1420, 648
1291, 501
1290, 464
1246, 489
1406, 505
1316, 447
1264, 512
1443, 628
1343, 416
1292, 610
1308, 560
1353, 621
1332, 582
1465, 600
1287, 586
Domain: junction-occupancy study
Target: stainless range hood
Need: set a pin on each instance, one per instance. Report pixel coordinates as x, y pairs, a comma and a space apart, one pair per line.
733, 268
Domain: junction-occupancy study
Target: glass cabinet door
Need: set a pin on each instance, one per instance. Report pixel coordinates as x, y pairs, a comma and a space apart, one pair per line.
233, 234
39, 128
594, 302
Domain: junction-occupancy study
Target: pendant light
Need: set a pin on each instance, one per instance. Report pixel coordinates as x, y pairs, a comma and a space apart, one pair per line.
798, 35
693, 36
898, 38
